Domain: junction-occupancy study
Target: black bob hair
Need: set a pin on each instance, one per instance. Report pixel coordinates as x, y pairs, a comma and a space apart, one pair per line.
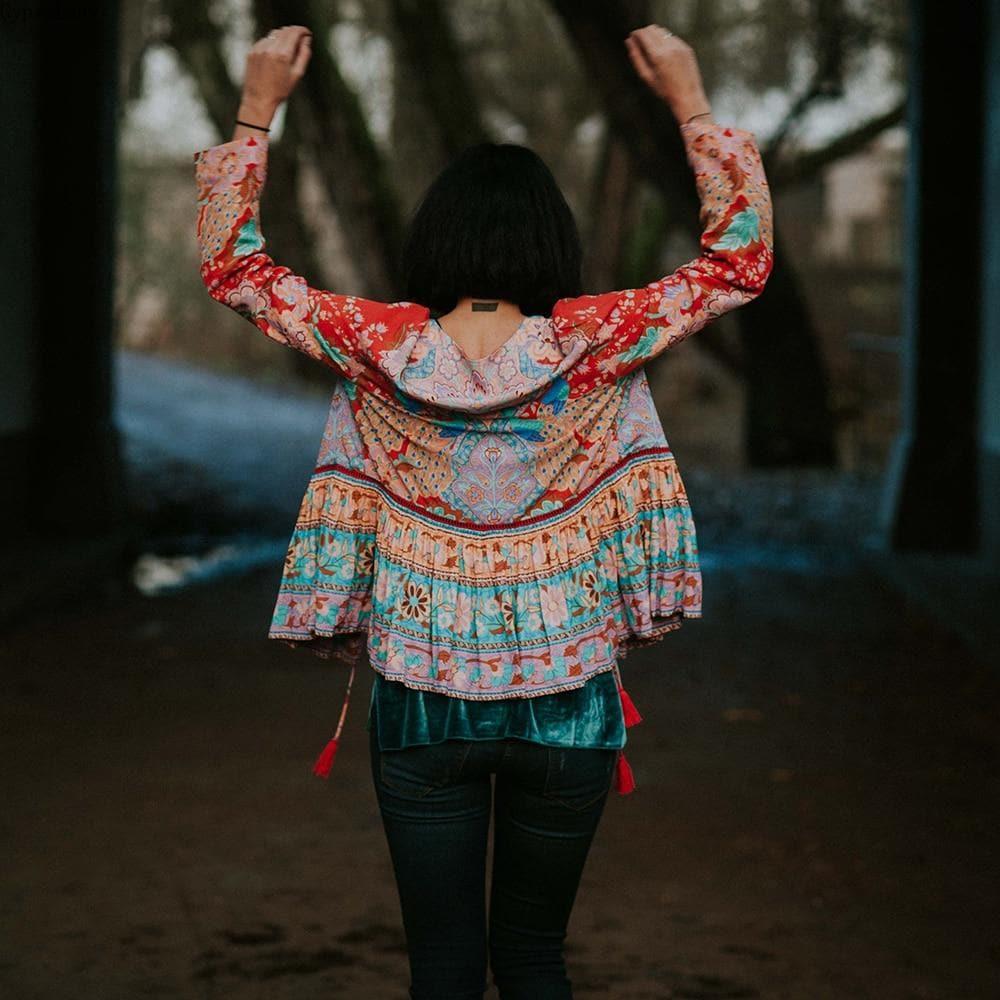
494, 225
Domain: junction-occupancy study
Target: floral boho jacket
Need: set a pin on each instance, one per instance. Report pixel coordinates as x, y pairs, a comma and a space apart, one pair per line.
496, 527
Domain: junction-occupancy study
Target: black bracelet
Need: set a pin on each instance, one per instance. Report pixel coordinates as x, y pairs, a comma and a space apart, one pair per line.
250, 125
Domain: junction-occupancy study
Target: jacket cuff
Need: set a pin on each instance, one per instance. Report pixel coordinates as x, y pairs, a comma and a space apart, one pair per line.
247, 147
691, 130
708, 145
223, 166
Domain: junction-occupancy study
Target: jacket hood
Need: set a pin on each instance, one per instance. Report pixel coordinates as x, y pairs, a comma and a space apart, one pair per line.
428, 367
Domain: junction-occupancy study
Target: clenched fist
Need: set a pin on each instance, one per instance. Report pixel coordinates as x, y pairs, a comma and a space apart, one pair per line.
275, 65
669, 68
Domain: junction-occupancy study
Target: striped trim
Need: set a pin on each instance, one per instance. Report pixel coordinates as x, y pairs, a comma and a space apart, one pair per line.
514, 575
614, 472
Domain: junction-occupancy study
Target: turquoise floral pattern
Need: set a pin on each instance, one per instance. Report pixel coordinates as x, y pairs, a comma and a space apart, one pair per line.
743, 229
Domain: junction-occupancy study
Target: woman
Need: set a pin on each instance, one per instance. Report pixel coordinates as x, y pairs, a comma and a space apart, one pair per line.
495, 517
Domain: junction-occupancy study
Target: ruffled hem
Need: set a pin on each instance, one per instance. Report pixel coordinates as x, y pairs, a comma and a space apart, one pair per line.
625, 645
516, 610
324, 599
541, 604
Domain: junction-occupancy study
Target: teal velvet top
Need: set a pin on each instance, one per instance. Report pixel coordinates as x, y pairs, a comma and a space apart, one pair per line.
588, 716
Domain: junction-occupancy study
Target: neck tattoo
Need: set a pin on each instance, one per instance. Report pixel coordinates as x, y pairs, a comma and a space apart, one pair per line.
485, 306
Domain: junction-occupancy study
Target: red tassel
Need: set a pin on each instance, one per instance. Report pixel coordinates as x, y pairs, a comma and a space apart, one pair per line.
624, 779
325, 760
632, 716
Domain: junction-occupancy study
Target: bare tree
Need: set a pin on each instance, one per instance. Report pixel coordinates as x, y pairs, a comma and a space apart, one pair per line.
788, 414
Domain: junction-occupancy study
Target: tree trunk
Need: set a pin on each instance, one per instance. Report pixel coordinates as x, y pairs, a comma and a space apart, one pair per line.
333, 126
426, 43
788, 416
613, 194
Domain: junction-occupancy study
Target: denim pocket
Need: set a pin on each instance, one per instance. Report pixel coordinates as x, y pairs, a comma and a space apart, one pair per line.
578, 777
418, 770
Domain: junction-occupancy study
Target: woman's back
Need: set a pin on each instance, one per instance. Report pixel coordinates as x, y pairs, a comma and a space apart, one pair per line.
481, 327
499, 526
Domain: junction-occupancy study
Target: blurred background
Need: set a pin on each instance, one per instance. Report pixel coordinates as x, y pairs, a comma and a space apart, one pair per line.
817, 774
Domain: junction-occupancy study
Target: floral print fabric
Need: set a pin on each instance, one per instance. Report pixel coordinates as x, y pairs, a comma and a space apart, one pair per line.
498, 527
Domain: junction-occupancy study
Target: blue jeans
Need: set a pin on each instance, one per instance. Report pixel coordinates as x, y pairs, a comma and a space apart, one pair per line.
435, 803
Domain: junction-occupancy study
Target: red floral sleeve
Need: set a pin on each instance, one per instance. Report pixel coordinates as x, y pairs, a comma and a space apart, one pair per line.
627, 328
344, 332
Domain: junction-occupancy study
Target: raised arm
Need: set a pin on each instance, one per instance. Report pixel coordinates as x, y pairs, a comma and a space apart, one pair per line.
629, 327
344, 332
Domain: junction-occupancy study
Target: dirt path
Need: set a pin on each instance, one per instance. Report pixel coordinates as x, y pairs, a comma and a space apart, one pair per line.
815, 817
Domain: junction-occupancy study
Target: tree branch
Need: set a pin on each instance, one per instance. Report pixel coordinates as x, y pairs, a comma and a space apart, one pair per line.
804, 166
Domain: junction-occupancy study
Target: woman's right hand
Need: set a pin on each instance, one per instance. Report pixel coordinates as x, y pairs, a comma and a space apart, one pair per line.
275, 65
669, 68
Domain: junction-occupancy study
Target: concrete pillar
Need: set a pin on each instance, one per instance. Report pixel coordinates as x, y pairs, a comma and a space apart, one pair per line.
18, 347
932, 499
58, 446
989, 421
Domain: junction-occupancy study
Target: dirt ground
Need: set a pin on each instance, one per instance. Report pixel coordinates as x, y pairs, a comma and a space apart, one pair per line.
815, 817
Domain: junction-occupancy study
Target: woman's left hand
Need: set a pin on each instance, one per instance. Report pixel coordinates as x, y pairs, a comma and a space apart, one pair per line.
275, 65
